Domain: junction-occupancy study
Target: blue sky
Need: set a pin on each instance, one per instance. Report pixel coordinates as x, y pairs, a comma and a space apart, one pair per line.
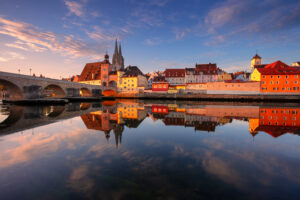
57, 37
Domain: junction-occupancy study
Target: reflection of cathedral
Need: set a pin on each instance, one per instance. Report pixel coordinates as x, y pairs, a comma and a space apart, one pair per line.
115, 117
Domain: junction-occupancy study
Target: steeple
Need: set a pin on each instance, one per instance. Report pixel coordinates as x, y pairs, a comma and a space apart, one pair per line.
116, 54
121, 58
118, 60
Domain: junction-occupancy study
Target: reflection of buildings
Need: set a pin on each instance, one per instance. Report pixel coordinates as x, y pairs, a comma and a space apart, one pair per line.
276, 121
115, 117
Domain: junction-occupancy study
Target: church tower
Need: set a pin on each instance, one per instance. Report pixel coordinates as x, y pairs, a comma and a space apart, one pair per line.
115, 56
256, 60
121, 58
118, 59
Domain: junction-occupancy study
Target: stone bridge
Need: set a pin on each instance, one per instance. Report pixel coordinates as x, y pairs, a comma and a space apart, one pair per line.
24, 87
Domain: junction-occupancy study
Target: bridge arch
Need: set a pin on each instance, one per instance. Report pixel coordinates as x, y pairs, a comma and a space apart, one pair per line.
53, 111
53, 91
84, 92
10, 91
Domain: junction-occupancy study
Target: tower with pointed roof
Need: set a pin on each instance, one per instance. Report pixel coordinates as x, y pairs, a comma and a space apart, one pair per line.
256, 60
118, 59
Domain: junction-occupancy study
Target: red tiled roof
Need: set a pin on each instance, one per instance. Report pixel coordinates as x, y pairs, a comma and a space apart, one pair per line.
207, 69
89, 69
279, 68
159, 79
174, 73
264, 71
277, 65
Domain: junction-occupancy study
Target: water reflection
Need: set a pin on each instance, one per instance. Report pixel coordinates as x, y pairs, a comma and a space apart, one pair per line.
130, 149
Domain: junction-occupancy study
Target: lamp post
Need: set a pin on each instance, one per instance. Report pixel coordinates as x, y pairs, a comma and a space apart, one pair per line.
30, 71
19, 71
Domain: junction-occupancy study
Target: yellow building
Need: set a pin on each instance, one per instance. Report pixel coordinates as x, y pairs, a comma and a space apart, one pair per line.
255, 75
132, 80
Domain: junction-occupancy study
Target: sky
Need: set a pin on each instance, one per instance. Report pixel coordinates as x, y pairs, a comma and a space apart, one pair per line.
57, 38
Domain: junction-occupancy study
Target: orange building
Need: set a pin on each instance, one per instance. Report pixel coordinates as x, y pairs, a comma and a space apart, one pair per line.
277, 77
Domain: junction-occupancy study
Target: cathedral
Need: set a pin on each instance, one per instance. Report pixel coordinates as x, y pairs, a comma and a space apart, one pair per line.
118, 59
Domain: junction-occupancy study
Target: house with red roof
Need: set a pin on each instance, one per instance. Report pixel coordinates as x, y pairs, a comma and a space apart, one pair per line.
175, 76
277, 77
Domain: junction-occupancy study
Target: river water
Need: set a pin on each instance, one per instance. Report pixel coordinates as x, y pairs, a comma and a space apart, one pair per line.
130, 149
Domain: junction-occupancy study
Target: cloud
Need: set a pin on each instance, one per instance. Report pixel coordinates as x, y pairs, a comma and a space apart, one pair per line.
261, 18
153, 41
32, 38
98, 34
75, 8
181, 32
8, 56
215, 40
159, 3
143, 15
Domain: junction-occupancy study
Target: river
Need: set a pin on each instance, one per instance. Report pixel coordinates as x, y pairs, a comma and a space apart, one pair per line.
129, 149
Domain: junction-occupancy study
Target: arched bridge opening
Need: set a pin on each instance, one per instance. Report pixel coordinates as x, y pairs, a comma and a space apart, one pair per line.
53, 91
84, 92
10, 91
53, 111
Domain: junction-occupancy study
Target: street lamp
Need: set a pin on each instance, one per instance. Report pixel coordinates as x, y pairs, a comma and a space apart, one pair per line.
19, 71
30, 71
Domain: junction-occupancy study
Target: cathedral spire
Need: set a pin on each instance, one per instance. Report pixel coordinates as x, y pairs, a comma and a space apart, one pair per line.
116, 54
120, 50
121, 58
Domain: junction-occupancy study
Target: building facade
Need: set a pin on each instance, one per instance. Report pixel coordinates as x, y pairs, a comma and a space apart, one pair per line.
175, 76
160, 84
277, 77
96, 73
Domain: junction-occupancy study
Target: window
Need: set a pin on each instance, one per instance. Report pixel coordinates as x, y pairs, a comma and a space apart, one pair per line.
294, 112
264, 76
286, 76
278, 76
296, 82
286, 82
277, 82
263, 82
296, 76
271, 82
271, 76
283, 88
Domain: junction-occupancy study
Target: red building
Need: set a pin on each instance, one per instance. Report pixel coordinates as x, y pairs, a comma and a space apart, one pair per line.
159, 84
